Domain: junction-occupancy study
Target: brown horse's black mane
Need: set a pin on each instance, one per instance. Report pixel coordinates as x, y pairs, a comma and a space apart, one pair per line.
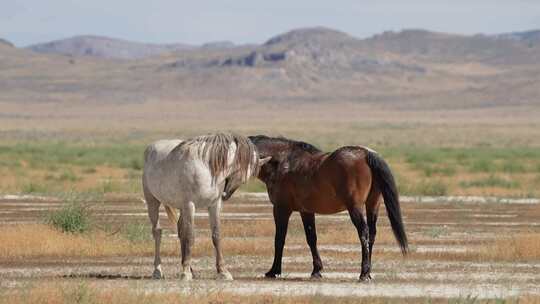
299, 145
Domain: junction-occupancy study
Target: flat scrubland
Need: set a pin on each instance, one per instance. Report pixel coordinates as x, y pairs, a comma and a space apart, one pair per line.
55, 148
91, 155
82, 293
460, 253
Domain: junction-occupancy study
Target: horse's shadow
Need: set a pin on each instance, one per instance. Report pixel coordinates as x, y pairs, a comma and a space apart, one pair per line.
116, 276
105, 276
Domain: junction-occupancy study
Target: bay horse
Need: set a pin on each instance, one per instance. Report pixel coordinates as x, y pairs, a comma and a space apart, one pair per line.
300, 177
197, 173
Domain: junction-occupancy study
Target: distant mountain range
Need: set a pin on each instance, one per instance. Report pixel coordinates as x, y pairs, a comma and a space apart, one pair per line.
5, 42
409, 68
405, 41
528, 36
105, 47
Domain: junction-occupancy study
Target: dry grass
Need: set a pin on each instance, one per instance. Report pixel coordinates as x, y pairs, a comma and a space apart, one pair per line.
327, 233
350, 236
41, 241
524, 248
33, 241
521, 248
62, 292
264, 228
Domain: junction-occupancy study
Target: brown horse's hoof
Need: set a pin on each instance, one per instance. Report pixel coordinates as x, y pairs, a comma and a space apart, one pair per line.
316, 276
365, 278
157, 274
271, 275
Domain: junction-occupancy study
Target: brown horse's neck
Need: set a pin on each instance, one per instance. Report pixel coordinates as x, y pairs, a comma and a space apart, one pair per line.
288, 156
306, 163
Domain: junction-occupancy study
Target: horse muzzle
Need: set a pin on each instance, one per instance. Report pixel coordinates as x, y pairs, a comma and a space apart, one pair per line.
228, 190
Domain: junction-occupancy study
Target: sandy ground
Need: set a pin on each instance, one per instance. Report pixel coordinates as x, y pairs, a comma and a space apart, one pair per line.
438, 226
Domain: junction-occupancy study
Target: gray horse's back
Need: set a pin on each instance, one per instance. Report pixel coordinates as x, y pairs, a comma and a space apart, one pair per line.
157, 170
175, 175
160, 149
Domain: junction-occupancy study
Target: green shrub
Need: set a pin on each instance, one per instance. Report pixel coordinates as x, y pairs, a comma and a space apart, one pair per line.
137, 232
481, 165
431, 188
464, 300
10, 163
89, 170
73, 217
68, 175
427, 169
439, 170
253, 185
513, 167
436, 231
405, 188
81, 294
135, 164
43, 155
33, 188
447, 171
491, 181
108, 186
403, 185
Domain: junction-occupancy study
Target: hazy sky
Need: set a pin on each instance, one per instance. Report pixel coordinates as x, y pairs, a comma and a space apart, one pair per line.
29, 21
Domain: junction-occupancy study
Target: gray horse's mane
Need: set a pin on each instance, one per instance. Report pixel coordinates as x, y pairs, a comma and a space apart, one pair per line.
214, 148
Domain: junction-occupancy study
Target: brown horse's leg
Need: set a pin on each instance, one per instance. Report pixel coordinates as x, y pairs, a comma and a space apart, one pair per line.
372, 227
372, 213
281, 220
363, 233
308, 219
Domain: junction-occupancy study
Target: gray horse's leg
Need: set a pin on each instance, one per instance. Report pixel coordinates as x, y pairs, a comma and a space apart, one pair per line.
214, 211
186, 233
153, 213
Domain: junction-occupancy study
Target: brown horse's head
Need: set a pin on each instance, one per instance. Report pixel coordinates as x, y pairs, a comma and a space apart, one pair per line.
285, 155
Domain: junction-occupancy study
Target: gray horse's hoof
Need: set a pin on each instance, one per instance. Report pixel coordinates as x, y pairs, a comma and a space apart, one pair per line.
224, 276
186, 276
157, 275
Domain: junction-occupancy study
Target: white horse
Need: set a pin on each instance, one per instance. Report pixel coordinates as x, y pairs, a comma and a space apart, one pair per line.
196, 173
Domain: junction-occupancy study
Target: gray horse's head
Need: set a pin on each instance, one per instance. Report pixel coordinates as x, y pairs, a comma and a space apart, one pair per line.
230, 156
236, 179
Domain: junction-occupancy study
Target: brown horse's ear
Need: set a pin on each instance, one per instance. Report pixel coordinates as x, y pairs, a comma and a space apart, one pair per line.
263, 161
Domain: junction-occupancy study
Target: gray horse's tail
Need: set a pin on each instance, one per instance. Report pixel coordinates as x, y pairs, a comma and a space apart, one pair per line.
172, 216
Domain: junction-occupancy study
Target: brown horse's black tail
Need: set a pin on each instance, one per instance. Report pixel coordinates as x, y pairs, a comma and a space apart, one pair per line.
385, 181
